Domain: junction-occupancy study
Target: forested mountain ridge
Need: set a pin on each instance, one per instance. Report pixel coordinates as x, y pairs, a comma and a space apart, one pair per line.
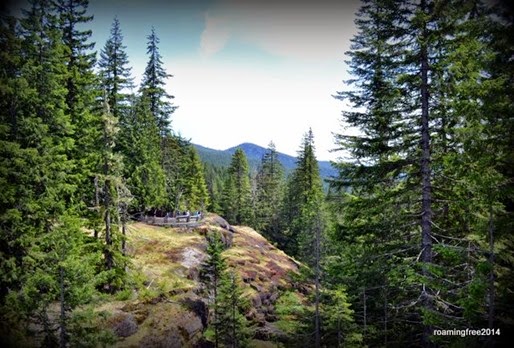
254, 154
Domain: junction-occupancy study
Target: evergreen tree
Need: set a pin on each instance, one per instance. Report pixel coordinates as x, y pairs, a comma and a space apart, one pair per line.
185, 182
43, 259
172, 151
72, 14
115, 81
213, 272
196, 194
11, 175
114, 72
237, 191
339, 326
500, 145
228, 323
141, 149
419, 108
81, 92
306, 220
233, 329
269, 194
215, 176
303, 207
111, 182
175, 162
153, 86
374, 209
60, 271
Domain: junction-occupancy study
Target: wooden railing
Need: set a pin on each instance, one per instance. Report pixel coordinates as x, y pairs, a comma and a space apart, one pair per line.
176, 220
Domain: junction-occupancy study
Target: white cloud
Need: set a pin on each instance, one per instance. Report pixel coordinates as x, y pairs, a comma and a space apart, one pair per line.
215, 35
224, 103
315, 32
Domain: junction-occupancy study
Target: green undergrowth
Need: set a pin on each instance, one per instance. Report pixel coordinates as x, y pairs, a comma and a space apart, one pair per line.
290, 308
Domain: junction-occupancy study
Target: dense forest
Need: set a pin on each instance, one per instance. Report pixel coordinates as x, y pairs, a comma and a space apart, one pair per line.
413, 237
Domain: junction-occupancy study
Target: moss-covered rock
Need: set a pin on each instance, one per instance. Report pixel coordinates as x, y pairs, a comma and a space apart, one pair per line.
170, 310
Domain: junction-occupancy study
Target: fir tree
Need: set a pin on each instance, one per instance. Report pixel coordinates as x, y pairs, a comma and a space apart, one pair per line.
215, 177
500, 144
80, 95
305, 219
153, 86
213, 272
115, 73
43, 252
416, 104
12, 176
227, 304
175, 162
304, 203
237, 191
153, 91
115, 79
196, 193
141, 149
72, 14
233, 327
112, 184
338, 318
378, 193
269, 194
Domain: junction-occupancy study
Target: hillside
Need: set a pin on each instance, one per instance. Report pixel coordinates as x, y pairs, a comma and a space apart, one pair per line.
254, 155
169, 309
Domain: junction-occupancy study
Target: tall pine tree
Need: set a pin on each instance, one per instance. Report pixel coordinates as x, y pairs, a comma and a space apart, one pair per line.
42, 245
304, 201
237, 191
196, 194
111, 183
141, 149
269, 194
81, 93
115, 77
153, 86
420, 91
227, 304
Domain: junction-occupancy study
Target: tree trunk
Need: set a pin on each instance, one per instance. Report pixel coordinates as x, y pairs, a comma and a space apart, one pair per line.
62, 319
216, 310
385, 316
317, 282
491, 290
364, 309
234, 308
339, 333
97, 203
108, 238
426, 196
123, 228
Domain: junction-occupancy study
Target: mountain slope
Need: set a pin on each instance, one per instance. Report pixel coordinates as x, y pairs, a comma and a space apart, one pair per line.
254, 154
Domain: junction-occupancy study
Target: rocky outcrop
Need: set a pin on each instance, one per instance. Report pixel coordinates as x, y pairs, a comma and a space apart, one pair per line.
125, 326
171, 259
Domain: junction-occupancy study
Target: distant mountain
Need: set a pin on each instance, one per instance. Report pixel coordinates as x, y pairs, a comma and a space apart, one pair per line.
254, 154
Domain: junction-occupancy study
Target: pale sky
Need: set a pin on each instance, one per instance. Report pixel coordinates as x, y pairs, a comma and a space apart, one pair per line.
243, 70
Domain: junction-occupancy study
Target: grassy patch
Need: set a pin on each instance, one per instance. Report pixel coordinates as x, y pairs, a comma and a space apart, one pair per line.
265, 344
